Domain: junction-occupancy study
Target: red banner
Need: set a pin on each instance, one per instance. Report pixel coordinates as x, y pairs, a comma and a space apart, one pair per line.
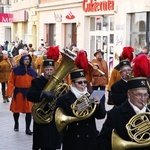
6, 18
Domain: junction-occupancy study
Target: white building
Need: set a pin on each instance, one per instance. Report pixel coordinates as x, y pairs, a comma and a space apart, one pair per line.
108, 25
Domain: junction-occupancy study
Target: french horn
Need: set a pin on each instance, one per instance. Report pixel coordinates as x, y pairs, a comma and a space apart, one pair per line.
138, 129
82, 109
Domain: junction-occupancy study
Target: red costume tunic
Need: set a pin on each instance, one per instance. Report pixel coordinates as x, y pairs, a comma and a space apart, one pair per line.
18, 85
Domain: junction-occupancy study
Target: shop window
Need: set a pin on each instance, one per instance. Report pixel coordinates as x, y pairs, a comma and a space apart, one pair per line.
138, 31
70, 31
92, 24
92, 46
101, 23
1, 9
111, 23
98, 42
142, 26
50, 38
102, 35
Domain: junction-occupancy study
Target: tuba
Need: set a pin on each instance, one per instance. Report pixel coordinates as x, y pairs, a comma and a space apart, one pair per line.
43, 111
82, 108
138, 129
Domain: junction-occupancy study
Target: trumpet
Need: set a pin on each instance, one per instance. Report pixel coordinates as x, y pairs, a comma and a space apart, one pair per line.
90, 64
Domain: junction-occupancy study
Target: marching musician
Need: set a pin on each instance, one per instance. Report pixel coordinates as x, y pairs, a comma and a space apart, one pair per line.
45, 136
81, 134
119, 89
127, 54
118, 117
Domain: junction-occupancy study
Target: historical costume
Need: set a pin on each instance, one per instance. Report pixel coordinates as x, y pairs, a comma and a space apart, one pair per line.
18, 85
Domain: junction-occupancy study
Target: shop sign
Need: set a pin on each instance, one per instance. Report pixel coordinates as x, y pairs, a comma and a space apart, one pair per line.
97, 5
6, 18
69, 15
58, 17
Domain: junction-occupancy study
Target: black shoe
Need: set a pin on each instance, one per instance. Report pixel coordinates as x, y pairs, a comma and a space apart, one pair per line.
4, 101
16, 127
29, 132
7, 100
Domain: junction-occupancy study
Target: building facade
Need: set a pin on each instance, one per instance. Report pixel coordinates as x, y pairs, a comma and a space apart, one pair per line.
5, 20
108, 25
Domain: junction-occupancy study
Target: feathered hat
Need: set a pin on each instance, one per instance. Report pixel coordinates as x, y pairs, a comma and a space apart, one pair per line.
53, 53
81, 61
141, 66
127, 53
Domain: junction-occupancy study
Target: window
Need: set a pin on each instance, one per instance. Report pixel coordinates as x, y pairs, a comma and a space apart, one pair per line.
50, 38
1, 9
101, 23
138, 31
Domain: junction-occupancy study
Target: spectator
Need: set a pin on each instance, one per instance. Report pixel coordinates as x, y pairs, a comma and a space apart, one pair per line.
18, 84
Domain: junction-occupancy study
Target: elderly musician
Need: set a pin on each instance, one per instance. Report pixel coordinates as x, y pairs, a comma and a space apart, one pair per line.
45, 136
81, 134
119, 89
119, 117
127, 54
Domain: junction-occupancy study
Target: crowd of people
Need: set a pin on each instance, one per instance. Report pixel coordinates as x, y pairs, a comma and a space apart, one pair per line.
25, 80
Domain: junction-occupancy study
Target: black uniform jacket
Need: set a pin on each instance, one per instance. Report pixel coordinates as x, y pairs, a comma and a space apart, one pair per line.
119, 92
80, 135
44, 135
117, 119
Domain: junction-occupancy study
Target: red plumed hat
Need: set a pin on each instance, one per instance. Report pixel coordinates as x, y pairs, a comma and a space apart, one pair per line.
127, 53
53, 53
141, 66
81, 61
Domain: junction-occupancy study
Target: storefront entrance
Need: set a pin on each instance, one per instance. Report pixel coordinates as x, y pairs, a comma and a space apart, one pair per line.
102, 37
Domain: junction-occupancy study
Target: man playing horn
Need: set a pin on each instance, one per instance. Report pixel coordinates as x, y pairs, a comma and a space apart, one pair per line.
81, 134
118, 118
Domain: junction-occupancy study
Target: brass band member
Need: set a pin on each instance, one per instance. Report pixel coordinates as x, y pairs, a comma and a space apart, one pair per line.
119, 89
127, 54
45, 136
118, 117
80, 135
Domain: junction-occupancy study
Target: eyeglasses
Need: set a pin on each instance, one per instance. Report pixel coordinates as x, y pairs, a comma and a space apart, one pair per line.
81, 82
128, 70
146, 95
